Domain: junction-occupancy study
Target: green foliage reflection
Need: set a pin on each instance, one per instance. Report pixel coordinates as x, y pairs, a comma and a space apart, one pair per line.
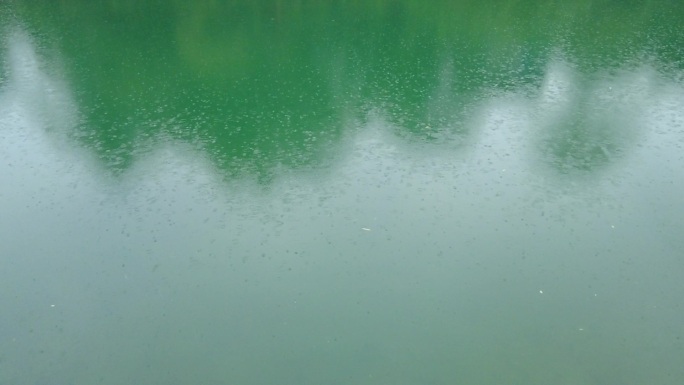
260, 84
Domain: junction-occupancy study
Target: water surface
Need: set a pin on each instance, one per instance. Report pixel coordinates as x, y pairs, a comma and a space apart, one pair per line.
388, 192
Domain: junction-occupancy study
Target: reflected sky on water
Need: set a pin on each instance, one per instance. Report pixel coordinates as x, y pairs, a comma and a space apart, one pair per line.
314, 194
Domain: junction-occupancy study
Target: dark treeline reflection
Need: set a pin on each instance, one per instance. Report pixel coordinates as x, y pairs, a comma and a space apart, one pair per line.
269, 83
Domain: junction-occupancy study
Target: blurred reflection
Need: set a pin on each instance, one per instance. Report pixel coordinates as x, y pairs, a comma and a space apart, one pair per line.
259, 86
30, 92
584, 122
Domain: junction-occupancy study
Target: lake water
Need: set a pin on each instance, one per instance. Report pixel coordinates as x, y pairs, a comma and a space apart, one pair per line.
341, 192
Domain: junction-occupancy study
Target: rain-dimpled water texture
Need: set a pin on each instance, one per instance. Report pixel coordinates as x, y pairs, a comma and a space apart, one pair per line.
387, 192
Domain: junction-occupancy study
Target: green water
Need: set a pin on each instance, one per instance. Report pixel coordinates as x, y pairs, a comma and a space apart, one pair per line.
341, 192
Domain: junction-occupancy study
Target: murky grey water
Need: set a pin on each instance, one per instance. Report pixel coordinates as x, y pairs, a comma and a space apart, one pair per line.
281, 203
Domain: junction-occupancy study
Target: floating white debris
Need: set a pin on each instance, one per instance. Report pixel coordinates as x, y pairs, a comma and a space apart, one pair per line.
365, 229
